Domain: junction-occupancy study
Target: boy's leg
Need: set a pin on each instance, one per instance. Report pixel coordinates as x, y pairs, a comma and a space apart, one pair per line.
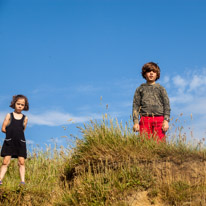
146, 127
4, 166
21, 163
159, 134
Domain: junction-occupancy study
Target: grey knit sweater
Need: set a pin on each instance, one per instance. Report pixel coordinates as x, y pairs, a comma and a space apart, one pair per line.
150, 100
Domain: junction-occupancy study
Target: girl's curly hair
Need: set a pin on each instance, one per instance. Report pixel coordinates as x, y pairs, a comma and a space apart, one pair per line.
150, 66
15, 99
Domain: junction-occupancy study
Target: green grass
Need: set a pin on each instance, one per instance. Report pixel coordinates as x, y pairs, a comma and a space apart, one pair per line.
95, 188
108, 149
43, 181
107, 166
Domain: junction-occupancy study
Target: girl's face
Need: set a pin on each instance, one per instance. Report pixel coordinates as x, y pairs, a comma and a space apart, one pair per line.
19, 105
151, 77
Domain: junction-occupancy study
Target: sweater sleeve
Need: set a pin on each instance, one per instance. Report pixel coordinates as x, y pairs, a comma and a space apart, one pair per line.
166, 104
136, 106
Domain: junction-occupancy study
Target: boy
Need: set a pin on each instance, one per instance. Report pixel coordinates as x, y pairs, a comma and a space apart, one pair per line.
151, 103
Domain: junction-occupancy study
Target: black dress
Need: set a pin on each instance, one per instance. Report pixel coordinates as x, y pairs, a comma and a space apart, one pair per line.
15, 143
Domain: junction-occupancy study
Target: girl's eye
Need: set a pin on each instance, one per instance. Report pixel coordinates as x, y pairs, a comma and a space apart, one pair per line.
20, 104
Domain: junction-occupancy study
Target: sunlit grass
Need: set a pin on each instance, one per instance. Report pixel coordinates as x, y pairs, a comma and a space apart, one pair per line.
108, 147
107, 166
43, 179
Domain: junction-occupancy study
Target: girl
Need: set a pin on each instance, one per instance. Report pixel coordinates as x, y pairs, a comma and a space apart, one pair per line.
15, 145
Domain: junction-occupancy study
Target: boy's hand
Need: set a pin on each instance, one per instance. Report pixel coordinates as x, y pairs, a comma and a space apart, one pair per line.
165, 125
136, 128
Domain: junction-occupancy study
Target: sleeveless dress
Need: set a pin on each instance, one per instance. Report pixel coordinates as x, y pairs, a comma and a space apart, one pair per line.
15, 143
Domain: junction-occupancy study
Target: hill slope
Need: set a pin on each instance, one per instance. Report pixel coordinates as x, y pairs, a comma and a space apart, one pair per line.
110, 165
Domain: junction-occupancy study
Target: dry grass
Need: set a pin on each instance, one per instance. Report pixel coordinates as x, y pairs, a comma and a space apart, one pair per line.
110, 165
174, 172
43, 184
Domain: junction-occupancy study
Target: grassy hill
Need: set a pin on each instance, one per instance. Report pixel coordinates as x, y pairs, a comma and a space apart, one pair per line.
111, 165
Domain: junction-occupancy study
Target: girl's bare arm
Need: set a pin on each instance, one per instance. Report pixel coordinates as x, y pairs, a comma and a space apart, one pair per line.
5, 123
25, 122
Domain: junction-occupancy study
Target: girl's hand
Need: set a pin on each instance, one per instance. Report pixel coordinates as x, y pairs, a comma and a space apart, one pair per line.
136, 128
165, 125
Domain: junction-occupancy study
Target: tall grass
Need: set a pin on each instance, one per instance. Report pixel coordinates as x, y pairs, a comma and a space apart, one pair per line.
110, 165
43, 183
110, 162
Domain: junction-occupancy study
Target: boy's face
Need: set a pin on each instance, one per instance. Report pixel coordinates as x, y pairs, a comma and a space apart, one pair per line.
151, 76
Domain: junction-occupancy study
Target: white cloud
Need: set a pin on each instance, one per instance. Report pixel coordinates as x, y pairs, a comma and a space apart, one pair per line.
199, 127
166, 79
54, 118
2, 116
190, 88
29, 142
197, 82
189, 97
180, 83
194, 83
197, 107
55, 140
181, 98
51, 118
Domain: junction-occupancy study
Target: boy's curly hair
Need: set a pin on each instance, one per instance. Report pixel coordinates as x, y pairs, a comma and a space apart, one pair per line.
15, 99
150, 66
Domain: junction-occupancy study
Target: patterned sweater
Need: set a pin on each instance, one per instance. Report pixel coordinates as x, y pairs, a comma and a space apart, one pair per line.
150, 100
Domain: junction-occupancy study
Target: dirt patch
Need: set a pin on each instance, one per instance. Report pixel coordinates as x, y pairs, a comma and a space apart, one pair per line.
168, 172
142, 199
193, 172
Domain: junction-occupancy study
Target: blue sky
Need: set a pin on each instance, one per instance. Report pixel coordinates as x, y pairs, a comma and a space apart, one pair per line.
64, 55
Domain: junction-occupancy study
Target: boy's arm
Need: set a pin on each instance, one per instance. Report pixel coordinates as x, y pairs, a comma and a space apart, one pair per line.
166, 104
5, 123
135, 110
165, 125
25, 122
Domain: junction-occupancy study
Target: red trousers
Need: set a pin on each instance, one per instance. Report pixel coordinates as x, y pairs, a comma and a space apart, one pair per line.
151, 127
